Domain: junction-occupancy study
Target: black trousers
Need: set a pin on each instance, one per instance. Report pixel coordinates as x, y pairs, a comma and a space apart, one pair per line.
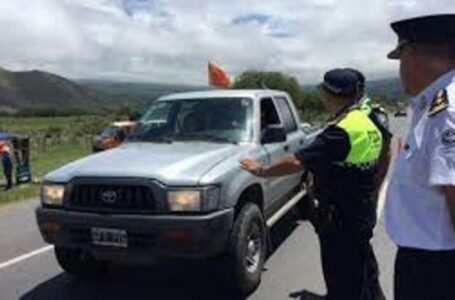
424, 275
349, 265
8, 170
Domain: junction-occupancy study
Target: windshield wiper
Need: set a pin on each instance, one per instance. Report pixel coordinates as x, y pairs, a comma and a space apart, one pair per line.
209, 137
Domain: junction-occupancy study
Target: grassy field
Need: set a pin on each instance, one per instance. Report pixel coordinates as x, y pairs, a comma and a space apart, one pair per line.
73, 142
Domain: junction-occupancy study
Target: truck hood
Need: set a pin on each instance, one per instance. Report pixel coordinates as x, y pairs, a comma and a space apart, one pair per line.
177, 163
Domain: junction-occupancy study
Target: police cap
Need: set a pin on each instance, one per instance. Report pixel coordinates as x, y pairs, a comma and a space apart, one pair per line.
360, 78
435, 29
340, 82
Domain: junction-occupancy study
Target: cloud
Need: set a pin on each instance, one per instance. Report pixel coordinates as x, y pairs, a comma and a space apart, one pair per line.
172, 40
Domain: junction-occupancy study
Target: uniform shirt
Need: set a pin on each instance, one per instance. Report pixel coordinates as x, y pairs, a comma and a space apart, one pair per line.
417, 215
345, 186
330, 146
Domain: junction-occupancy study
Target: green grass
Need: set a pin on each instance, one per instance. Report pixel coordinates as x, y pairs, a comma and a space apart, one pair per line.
33, 124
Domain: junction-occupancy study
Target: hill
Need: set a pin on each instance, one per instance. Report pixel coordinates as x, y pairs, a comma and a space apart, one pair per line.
38, 91
42, 90
135, 94
390, 87
388, 91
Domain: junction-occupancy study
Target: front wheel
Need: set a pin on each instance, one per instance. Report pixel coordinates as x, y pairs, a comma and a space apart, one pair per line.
79, 263
247, 249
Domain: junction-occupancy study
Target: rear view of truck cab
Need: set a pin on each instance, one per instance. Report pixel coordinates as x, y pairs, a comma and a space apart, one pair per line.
175, 188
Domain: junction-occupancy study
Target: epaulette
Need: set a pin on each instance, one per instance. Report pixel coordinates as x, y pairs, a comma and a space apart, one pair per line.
378, 107
439, 103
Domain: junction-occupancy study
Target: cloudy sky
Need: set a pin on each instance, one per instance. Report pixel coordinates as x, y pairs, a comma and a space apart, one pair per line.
172, 40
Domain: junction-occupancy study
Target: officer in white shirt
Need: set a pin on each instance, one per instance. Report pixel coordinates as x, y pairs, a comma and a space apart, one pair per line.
420, 207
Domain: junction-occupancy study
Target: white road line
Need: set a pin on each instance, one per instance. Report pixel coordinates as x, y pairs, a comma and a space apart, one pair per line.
23, 257
381, 199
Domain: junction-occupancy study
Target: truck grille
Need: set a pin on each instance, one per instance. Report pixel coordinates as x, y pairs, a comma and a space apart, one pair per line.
112, 198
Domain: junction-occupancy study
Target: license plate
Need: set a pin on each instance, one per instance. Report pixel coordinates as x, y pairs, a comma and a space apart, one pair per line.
110, 237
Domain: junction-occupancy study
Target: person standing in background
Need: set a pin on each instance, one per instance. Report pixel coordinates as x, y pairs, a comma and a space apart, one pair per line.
7, 162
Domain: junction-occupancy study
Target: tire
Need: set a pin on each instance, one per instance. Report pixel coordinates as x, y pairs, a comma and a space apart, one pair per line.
79, 263
247, 249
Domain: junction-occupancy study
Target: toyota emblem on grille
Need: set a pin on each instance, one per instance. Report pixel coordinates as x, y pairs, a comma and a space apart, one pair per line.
109, 196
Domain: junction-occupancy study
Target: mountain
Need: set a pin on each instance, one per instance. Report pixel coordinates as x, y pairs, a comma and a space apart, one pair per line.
137, 94
388, 92
41, 90
390, 88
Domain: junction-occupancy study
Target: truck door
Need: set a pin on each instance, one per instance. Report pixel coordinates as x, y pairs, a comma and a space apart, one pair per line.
276, 186
294, 141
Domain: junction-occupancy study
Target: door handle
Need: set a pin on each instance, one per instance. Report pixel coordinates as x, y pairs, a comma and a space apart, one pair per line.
286, 148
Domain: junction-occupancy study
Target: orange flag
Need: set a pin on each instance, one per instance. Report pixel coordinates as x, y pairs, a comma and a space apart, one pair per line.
218, 77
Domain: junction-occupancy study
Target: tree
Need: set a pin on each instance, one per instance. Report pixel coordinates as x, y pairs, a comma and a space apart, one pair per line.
271, 80
307, 102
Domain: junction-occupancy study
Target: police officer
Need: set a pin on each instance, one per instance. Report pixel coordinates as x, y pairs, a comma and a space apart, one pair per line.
379, 117
343, 160
420, 207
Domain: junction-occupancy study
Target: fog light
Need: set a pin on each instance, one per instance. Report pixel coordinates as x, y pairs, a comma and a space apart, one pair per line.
179, 236
50, 227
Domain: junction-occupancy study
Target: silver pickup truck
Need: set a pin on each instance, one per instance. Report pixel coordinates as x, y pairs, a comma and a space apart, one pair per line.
175, 188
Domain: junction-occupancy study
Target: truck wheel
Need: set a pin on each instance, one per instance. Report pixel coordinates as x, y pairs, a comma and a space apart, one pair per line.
79, 263
247, 249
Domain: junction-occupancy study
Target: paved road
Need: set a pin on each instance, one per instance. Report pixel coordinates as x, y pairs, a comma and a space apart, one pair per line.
292, 272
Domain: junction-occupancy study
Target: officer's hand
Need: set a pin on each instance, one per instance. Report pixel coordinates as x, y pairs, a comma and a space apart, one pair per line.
252, 166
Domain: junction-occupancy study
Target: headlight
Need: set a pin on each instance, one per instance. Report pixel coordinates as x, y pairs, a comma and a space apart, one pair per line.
204, 199
52, 194
184, 200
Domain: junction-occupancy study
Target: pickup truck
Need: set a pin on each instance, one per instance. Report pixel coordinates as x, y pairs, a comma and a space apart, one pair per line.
175, 188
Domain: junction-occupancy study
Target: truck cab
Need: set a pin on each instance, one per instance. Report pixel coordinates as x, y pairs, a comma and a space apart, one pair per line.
175, 187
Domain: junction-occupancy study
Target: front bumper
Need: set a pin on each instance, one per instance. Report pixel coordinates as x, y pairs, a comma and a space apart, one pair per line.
149, 237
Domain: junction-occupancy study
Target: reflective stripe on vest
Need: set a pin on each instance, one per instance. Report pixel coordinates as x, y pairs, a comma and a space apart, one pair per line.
365, 138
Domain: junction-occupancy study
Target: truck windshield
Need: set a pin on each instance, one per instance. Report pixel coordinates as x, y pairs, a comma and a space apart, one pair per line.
224, 120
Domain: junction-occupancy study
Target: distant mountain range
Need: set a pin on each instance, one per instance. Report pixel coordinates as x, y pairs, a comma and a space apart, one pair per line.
39, 90
136, 94
390, 87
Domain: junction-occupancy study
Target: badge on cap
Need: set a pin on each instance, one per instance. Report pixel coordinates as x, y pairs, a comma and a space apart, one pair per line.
440, 103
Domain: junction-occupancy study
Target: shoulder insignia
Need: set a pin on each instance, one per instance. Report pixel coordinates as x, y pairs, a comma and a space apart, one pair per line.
440, 103
379, 108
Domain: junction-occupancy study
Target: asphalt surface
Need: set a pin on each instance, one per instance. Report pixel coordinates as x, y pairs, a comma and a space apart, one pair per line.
28, 269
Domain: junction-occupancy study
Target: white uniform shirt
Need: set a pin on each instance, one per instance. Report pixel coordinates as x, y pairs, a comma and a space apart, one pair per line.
416, 213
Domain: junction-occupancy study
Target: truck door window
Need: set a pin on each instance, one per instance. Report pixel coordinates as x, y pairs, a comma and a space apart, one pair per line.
269, 115
286, 114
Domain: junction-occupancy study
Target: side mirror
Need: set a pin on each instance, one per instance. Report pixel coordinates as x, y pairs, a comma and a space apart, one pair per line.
273, 134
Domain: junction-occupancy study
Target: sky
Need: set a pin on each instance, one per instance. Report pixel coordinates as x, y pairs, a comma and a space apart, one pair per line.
171, 41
